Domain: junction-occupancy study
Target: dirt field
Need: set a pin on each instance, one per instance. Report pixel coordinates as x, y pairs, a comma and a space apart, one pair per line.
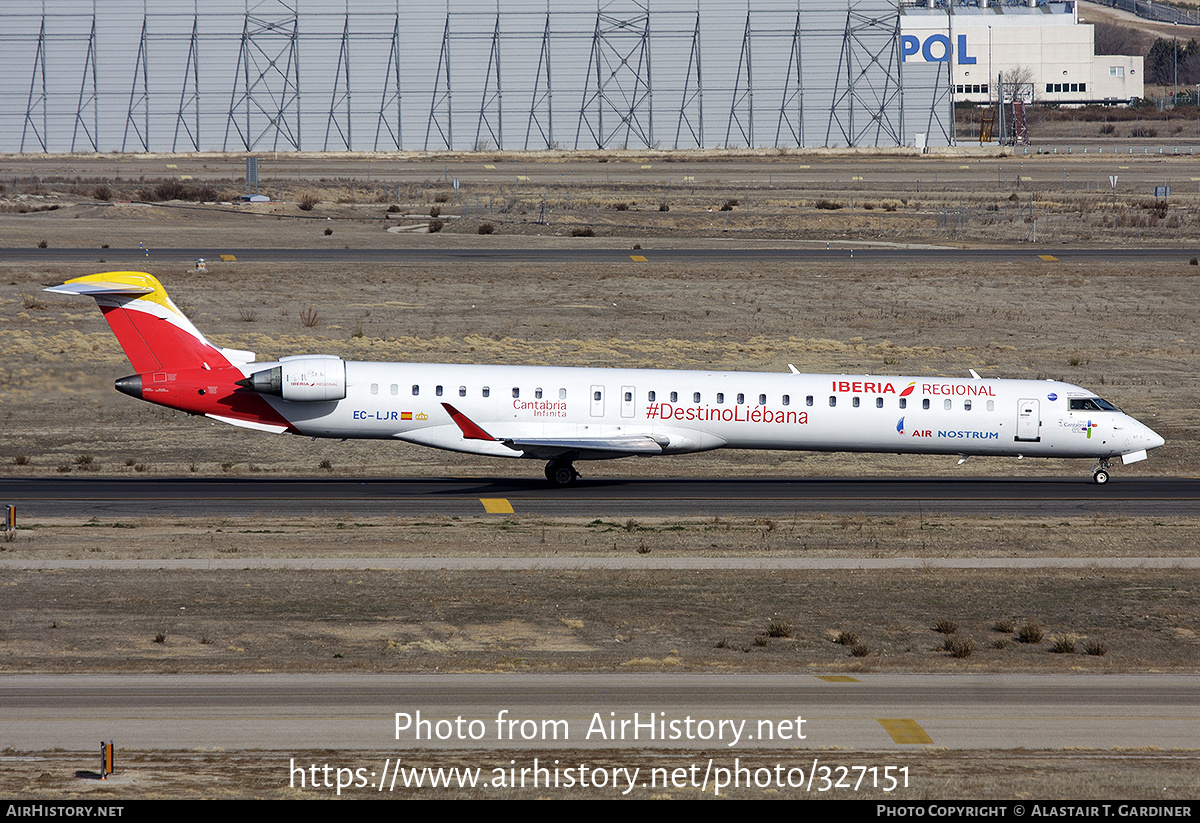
1128, 333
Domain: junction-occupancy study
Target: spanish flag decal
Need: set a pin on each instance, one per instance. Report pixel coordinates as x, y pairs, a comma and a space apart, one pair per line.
406, 415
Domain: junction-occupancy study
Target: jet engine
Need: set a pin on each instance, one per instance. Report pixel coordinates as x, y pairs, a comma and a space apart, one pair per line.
309, 378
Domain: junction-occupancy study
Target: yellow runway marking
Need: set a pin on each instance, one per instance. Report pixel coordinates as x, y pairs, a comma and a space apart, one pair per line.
1049, 258
496, 505
522, 177
964, 167
489, 166
903, 730
172, 165
646, 165
637, 258
838, 678
228, 258
185, 177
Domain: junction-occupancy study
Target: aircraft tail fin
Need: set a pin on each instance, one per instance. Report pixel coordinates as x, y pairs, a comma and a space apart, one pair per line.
151, 329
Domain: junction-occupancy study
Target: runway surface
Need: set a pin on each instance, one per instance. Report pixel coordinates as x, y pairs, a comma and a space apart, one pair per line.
349, 712
746, 253
114, 498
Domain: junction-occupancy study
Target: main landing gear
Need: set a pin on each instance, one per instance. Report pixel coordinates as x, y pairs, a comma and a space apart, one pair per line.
1100, 471
561, 473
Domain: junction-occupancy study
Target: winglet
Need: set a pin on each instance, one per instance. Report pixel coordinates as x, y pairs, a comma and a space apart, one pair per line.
469, 430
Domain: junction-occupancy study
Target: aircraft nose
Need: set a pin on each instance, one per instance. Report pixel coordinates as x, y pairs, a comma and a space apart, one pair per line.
1144, 434
1154, 439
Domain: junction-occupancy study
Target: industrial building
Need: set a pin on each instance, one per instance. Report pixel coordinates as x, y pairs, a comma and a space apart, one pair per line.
1044, 47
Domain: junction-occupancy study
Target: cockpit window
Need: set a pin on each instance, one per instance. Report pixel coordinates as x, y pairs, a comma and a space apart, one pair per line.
1091, 404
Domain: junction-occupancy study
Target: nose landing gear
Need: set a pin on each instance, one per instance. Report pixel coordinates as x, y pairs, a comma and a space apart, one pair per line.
561, 473
1100, 471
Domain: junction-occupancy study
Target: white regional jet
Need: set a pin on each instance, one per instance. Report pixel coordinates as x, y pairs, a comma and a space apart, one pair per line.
561, 415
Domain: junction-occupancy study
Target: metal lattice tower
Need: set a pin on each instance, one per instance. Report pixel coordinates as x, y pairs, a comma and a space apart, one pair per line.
871, 104
741, 110
139, 103
189, 94
541, 105
792, 95
37, 93
266, 95
621, 103
693, 95
88, 96
341, 93
391, 91
941, 109
440, 107
491, 105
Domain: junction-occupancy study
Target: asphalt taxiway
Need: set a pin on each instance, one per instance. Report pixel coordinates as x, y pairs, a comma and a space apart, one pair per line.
347, 712
607, 497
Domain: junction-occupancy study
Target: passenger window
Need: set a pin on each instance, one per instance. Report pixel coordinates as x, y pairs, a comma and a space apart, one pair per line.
966, 405
832, 400
487, 391
628, 397
991, 406
596, 396
741, 399
720, 397
787, 400
879, 402
395, 389
462, 391
808, 401
904, 402
925, 403
650, 397
416, 390
695, 397
374, 388
438, 391
762, 400
537, 393
562, 394
516, 392
946, 404
854, 402
674, 397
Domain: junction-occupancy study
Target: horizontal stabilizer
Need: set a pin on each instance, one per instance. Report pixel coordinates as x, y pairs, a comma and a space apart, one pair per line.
92, 288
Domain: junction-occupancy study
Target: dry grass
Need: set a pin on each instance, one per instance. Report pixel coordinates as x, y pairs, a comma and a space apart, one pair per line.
464, 620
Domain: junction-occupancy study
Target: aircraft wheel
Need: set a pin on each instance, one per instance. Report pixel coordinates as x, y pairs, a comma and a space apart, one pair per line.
561, 474
1100, 477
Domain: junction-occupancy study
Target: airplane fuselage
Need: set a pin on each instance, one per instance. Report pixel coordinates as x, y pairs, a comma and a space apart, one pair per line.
562, 415
688, 411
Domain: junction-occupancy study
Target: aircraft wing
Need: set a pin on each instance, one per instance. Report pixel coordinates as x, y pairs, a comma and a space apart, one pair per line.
625, 444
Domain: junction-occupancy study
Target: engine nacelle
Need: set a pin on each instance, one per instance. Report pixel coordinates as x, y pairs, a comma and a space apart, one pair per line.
307, 378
